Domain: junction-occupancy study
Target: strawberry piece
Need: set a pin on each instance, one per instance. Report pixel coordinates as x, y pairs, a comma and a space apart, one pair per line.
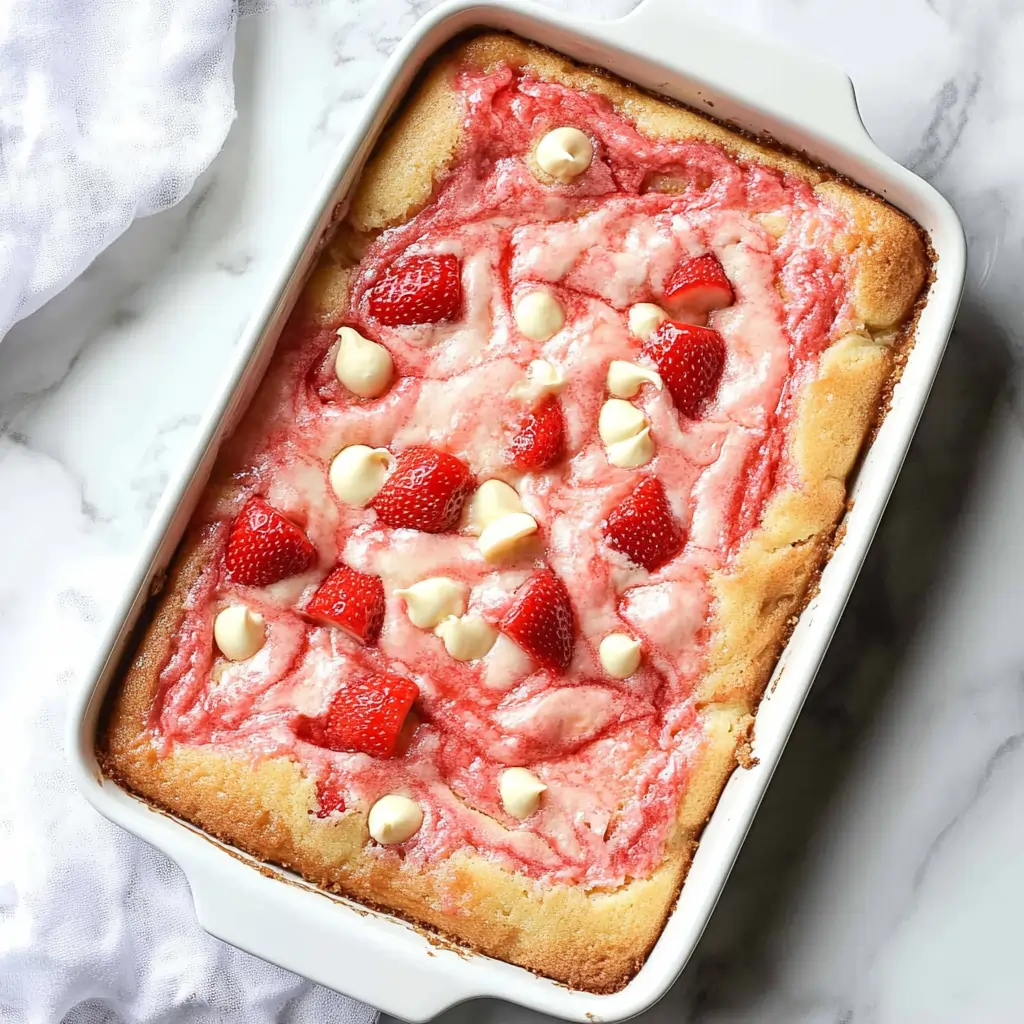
329, 798
425, 491
690, 360
643, 527
366, 715
540, 437
352, 601
699, 284
418, 290
540, 620
264, 547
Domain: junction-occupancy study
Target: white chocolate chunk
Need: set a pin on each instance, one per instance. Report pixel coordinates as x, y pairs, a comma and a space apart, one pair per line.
542, 379
624, 379
619, 421
620, 655
394, 818
633, 451
520, 792
430, 601
358, 472
645, 318
539, 315
490, 501
626, 433
564, 153
467, 637
239, 632
363, 366
505, 535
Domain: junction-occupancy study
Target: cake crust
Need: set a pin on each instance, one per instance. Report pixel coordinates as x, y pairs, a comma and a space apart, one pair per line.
591, 940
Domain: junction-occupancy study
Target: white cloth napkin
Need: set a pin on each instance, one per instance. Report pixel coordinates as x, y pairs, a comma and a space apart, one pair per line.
96, 927
109, 110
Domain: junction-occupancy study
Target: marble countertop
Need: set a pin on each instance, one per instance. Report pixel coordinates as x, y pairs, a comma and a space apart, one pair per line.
881, 881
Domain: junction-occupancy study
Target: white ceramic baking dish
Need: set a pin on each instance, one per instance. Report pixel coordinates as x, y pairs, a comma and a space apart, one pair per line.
376, 958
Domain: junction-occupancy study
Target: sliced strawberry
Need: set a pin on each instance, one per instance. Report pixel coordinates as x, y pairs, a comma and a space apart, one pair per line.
699, 284
540, 620
425, 490
264, 547
643, 527
539, 440
352, 601
418, 290
690, 360
365, 715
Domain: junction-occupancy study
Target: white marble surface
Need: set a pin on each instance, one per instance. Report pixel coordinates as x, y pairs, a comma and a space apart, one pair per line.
882, 878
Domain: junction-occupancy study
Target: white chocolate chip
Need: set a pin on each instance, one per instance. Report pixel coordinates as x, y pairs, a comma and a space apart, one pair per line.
490, 501
620, 655
363, 366
239, 633
645, 318
358, 472
619, 421
626, 433
542, 379
539, 315
430, 601
632, 452
520, 792
564, 153
624, 379
467, 637
504, 535
394, 818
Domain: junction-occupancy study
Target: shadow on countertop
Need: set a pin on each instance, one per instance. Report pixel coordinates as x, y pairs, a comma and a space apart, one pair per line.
860, 675
731, 971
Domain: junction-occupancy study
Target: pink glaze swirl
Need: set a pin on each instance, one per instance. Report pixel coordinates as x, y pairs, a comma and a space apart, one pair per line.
615, 755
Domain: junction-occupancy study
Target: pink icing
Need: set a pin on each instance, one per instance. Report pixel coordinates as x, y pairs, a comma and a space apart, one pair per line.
616, 755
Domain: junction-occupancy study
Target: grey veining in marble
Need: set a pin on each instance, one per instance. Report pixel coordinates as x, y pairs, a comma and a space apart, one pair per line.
882, 880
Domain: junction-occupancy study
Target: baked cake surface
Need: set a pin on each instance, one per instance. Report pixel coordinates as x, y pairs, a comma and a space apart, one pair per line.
512, 535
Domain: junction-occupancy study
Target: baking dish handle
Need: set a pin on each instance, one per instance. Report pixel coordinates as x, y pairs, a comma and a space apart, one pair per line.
244, 907
798, 88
